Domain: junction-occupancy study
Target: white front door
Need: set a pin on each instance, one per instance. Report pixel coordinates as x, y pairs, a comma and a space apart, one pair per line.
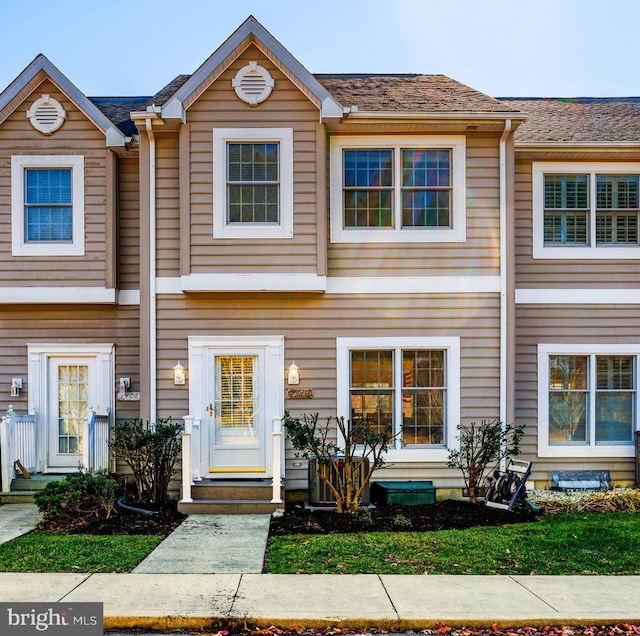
70, 394
236, 412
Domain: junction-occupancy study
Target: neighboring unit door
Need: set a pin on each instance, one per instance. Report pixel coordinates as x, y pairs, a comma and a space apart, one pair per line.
70, 393
235, 395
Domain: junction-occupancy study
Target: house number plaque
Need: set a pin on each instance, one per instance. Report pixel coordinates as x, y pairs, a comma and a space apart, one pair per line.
299, 394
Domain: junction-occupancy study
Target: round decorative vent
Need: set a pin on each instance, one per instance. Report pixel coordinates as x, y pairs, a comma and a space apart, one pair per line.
253, 83
46, 115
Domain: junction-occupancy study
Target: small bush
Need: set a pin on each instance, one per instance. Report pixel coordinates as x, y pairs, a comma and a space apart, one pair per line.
151, 452
77, 499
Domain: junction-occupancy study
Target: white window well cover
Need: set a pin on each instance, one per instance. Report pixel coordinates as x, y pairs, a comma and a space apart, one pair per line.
253, 83
46, 115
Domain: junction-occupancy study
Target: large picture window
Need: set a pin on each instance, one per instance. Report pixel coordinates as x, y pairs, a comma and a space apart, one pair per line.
253, 183
586, 210
47, 195
588, 398
397, 189
406, 386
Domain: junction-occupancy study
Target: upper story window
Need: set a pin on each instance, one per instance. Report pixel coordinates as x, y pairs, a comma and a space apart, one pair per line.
407, 386
47, 200
398, 189
253, 183
586, 210
587, 399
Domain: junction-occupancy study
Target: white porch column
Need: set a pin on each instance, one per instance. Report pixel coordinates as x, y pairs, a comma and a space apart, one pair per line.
277, 460
186, 459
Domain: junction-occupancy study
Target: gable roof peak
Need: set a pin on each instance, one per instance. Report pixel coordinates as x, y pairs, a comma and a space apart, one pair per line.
114, 136
250, 30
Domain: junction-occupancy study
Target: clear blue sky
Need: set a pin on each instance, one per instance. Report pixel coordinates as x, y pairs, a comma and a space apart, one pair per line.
501, 47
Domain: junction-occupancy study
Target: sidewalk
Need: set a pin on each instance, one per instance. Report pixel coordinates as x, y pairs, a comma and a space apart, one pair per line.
166, 592
200, 601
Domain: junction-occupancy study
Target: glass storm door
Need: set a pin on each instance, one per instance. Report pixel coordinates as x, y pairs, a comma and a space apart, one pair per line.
69, 402
236, 412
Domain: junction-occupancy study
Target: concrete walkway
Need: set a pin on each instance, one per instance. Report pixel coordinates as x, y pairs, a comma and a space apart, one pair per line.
17, 519
173, 588
211, 544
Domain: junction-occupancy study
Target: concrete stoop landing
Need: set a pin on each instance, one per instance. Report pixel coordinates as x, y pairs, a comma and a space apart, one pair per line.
231, 497
22, 490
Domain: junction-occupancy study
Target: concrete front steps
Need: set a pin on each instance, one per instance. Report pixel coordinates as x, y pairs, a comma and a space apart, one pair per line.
22, 490
231, 497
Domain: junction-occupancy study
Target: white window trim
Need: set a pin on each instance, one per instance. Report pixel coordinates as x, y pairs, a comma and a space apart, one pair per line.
449, 344
545, 449
18, 165
457, 233
222, 136
539, 169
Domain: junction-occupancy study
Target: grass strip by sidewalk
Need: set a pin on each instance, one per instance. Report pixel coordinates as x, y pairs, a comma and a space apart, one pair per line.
50, 552
575, 543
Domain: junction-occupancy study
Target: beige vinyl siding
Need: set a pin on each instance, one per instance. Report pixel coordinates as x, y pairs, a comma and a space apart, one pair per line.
167, 205
553, 274
20, 324
219, 107
311, 324
128, 224
568, 324
477, 256
78, 136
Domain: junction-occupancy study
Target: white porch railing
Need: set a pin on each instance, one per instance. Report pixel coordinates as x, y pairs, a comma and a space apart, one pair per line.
95, 455
189, 474
17, 443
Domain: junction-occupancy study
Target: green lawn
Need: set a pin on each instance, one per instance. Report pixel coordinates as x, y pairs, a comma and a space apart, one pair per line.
574, 543
50, 552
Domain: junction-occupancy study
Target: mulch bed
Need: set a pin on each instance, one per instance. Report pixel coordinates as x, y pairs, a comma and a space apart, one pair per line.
443, 515
164, 521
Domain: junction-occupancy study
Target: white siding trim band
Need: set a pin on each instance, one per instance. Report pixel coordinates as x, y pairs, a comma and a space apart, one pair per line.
331, 285
578, 296
62, 295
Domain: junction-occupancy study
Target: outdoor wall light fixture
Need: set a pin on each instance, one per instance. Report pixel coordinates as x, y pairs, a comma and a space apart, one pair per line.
16, 385
179, 376
293, 375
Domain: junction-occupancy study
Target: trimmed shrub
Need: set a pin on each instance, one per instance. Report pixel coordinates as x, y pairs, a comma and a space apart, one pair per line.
151, 452
77, 499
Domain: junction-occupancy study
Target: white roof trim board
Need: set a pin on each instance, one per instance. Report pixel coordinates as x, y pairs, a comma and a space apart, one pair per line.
329, 107
114, 136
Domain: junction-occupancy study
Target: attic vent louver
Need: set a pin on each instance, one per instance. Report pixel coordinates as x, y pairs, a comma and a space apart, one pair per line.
253, 83
46, 115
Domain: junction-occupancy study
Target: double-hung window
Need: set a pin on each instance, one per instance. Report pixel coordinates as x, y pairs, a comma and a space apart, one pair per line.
398, 189
587, 399
47, 197
253, 183
586, 210
408, 387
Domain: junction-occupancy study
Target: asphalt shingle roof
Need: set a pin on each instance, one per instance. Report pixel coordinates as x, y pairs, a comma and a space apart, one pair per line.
412, 93
578, 119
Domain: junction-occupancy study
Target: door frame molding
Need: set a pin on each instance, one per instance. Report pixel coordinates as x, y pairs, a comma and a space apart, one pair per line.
38, 355
273, 347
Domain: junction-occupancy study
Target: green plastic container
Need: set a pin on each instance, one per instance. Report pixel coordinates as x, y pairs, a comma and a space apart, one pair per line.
407, 493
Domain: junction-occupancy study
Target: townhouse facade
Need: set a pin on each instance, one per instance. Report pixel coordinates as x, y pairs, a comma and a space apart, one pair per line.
254, 239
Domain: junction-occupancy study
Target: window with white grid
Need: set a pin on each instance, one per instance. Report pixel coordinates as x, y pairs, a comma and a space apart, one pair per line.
253, 183
398, 189
583, 210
